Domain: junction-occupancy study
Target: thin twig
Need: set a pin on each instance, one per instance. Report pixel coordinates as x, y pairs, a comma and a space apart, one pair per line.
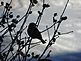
48, 32
54, 32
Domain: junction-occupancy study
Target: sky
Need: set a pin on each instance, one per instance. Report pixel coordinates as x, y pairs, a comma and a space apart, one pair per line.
66, 45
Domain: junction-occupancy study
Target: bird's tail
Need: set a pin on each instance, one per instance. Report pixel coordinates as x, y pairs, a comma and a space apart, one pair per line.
43, 41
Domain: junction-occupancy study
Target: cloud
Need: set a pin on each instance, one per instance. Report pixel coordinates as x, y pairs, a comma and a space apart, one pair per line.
66, 43
72, 3
24, 3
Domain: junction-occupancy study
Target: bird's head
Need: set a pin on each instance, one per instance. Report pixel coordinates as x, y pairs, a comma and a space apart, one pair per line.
32, 25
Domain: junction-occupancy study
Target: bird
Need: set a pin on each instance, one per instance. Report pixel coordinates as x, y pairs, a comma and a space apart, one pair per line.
34, 33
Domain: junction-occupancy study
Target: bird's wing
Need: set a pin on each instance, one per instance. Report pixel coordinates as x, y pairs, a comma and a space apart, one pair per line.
37, 33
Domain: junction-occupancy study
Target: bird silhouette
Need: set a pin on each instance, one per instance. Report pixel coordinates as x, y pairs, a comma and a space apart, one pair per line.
34, 33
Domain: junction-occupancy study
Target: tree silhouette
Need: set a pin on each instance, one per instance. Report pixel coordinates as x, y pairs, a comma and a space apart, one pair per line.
8, 25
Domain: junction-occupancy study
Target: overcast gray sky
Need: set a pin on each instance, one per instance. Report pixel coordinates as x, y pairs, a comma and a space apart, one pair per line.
66, 43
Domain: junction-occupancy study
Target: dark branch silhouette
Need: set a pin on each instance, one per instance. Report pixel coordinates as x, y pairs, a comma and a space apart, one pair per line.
8, 24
